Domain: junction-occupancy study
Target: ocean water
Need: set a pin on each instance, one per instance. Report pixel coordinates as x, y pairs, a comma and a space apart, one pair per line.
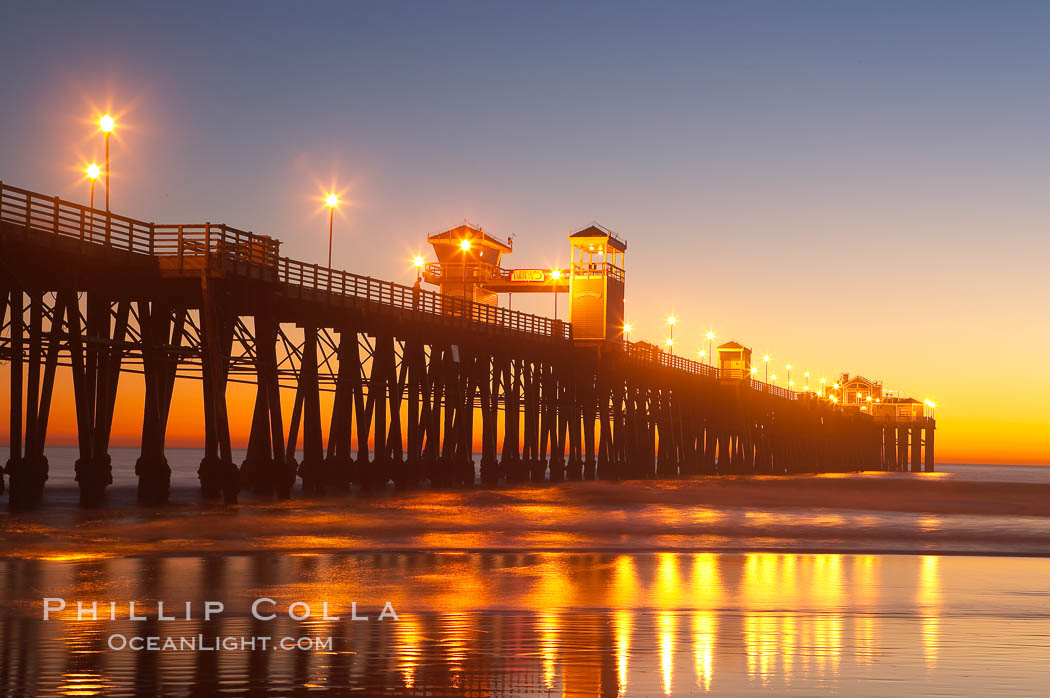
184, 463
856, 584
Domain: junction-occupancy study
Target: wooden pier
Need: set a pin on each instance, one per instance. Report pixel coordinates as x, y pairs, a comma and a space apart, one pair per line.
419, 379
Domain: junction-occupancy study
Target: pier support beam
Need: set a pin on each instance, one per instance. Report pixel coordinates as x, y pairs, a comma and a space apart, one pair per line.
16, 303
311, 470
916, 449
161, 329
929, 451
218, 475
28, 470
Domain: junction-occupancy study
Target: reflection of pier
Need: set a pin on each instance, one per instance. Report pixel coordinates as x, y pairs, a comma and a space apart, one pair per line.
640, 624
418, 378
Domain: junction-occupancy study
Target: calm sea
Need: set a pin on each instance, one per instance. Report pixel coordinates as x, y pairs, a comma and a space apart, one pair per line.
861, 584
184, 463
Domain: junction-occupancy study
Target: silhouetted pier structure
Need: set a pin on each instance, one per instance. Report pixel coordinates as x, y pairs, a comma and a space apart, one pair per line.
418, 377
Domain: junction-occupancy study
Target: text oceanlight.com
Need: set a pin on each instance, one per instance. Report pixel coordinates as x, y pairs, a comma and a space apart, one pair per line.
228, 643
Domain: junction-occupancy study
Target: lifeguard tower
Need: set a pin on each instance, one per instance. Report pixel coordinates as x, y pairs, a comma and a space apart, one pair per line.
734, 361
596, 285
467, 258
468, 267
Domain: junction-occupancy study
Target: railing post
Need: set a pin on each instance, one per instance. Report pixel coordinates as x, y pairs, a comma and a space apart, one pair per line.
152, 232
29, 207
180, 250
55, 214
207, 245
109, 221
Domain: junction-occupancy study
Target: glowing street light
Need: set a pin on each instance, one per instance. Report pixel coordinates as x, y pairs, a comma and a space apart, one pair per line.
627, 331
765, 360
106, 124
92, 173
710, 354
932, 405
417, 262
670, 340
807, 380
464, 245
789, 372
332, 201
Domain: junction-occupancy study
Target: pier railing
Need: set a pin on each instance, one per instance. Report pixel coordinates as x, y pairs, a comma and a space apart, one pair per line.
51, 215
643, 351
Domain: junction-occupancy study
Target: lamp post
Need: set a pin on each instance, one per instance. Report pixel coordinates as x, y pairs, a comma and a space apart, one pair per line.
765, 360
710, 354
92, 173
464, 246
417, 262
807, 381
822, 383
106, 124
670, 340
555, 275
627, 332
332, 200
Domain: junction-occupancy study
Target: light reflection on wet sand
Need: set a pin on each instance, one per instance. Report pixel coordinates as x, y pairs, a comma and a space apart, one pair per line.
861, 512
557, 623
